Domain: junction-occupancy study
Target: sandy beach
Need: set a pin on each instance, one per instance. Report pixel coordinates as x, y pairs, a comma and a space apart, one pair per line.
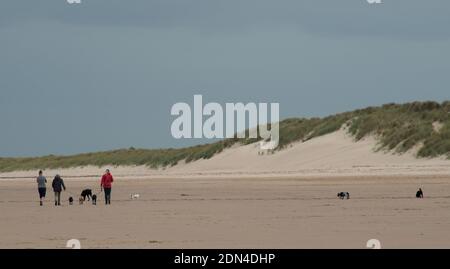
239, 199
234, 213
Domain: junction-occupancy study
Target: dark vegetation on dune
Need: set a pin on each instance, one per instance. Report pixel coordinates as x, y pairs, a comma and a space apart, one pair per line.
398, 128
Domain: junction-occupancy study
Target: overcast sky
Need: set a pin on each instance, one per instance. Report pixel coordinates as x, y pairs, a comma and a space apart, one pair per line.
104, 74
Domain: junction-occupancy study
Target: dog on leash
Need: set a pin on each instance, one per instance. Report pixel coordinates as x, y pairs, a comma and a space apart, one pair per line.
87, 193
94, 199
134, 196
343, 195
70, 200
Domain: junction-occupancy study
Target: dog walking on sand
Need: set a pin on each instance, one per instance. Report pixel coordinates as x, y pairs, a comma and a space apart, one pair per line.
419, 193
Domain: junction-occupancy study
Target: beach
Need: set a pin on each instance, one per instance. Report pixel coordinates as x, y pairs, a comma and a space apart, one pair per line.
241, 199
233, 213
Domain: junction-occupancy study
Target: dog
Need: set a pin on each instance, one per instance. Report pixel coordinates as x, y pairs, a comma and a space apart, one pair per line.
419, 193
94, 199
343, 195
81, 200
70, 200
87, 193
134, 196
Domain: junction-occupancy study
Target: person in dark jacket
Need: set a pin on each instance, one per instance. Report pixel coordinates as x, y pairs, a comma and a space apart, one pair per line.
58, 186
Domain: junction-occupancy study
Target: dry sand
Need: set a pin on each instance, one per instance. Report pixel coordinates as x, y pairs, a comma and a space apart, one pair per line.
239, 199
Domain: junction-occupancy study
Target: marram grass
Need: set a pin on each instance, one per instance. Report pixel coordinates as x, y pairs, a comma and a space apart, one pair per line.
398, 128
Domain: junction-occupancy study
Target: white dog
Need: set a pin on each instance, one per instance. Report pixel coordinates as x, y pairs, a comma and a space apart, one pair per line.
135, 196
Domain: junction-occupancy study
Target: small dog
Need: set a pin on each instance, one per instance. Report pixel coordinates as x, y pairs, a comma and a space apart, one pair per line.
419, 193
94, 199
81, 200
86, 193
70, 200
343, 195
134, 196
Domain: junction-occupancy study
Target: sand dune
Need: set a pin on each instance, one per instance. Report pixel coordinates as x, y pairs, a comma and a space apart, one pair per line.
332, 154
335, 154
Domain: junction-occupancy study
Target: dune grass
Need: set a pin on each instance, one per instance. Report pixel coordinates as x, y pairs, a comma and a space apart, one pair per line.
398, 128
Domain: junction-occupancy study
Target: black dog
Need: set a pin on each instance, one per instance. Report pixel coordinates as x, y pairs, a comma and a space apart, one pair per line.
70, 200
343, 195
419, 193
94, 199
86, 193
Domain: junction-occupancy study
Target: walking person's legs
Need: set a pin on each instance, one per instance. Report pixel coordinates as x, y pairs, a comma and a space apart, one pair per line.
57, 198
42, 192
107, 196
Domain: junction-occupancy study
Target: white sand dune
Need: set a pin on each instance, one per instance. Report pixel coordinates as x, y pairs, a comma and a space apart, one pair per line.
332, 154
336, 154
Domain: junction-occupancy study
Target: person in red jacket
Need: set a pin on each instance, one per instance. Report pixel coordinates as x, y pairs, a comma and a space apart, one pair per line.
106, 184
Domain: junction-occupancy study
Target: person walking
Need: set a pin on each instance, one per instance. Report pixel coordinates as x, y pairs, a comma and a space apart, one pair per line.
106, 184
42, 187
58, 186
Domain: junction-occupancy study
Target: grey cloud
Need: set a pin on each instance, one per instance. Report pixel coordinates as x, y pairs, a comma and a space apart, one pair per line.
394, 18
104, 74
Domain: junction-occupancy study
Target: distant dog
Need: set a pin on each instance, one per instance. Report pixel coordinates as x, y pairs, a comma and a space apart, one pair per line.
134, 196
94, 199
419, 193
87, 193
70, 200
343, 195
81, 200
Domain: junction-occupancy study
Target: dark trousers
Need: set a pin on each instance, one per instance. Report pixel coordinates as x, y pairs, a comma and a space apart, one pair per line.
42, 192
57, 198
107, 195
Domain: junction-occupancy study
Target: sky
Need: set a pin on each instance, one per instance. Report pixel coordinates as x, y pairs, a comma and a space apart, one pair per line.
104, 74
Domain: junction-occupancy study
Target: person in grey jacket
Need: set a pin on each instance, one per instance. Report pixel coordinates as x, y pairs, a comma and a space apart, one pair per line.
58, 186
42, 187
